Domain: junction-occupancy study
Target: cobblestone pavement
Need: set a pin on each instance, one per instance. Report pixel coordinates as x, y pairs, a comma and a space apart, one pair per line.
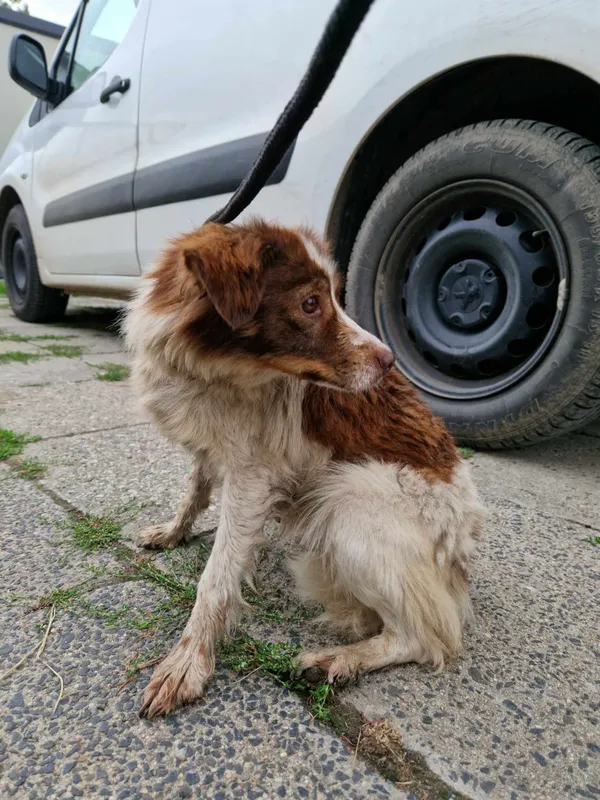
516, 717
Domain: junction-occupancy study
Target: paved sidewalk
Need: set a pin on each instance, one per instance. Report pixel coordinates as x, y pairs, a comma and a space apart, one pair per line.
517, 717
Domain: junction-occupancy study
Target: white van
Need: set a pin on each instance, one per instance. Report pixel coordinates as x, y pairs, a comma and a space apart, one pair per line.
454, 164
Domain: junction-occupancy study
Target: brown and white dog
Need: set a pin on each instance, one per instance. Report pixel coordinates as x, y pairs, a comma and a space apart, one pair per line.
243, 355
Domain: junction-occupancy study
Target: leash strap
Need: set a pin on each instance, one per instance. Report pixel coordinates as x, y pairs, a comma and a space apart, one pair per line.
341, 27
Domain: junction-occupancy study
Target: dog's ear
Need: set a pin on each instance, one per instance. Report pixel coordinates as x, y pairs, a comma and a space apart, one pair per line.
230, 264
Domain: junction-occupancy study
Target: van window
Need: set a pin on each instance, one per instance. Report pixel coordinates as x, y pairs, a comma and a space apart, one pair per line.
104, 25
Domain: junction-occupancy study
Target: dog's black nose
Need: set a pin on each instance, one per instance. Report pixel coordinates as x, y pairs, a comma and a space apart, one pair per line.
386, 358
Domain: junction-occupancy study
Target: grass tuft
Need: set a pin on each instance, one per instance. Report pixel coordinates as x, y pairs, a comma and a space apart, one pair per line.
5, 336
110, 616
18, 356
594, 541
61, 598
12, 444
94, 533
112, 372
13, 337
64, 350
30, 469
2, 288
244, 654
180, 592
466, 452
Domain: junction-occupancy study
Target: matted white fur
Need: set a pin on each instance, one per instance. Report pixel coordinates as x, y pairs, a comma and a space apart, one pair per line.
380, 538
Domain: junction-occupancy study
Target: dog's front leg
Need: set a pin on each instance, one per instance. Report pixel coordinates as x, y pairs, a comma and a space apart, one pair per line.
195, 499
246, 501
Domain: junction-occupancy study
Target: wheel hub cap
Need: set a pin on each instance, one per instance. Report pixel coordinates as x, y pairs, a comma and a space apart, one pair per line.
469, 294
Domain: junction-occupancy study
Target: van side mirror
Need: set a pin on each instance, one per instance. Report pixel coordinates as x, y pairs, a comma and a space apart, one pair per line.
27, 66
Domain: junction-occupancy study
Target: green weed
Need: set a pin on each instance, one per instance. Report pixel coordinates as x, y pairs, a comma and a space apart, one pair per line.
179, 592
12, 444
262, 607
61, 598
112, 372
244, 654
593, 540
5, 336
320, 697
466, 452
91, 532
110, 616
30, 469
64, 350
19, 357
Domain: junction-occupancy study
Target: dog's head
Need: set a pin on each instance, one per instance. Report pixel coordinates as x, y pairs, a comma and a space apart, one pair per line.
270, 297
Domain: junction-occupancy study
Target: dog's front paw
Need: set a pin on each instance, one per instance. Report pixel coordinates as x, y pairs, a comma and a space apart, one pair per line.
179, 679
160, 537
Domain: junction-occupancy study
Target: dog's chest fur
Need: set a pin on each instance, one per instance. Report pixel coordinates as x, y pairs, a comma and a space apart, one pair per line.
231, 424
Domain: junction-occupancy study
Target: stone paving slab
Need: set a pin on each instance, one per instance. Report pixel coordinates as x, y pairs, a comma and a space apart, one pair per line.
48, 370
102, 344
11, 324
517, 716
105, 470
77, 407
116, 357
560, 477
251, 739
21, 347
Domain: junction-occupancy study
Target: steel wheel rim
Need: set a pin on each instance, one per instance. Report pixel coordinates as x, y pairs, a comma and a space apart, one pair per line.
447, 242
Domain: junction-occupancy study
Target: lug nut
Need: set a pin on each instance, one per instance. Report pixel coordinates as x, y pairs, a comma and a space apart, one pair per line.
442, 293
489, 276
484, 311
456, 319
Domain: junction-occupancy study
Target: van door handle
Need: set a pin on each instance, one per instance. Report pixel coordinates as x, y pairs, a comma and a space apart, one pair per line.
120, 85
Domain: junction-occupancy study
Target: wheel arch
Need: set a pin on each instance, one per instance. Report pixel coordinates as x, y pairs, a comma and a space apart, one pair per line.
8, 199
492, 88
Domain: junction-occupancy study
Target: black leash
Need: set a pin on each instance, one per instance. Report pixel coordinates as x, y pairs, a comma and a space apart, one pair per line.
341, 27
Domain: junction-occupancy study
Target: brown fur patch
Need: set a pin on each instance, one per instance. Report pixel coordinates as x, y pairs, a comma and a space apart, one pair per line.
389, 423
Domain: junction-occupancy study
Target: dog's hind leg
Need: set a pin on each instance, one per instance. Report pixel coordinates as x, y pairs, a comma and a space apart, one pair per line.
195, 499
315, 584
387, 540
346, 662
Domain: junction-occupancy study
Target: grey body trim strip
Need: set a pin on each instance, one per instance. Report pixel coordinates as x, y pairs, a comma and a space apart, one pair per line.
28, 23
109, 197
204, 173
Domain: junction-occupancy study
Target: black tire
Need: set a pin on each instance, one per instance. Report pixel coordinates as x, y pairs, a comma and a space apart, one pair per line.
558, 174
30, 300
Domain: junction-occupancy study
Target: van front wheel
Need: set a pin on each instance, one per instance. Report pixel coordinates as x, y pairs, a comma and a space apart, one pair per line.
479, 264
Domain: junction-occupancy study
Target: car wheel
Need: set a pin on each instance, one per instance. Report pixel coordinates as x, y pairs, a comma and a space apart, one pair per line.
479, 264
29, 298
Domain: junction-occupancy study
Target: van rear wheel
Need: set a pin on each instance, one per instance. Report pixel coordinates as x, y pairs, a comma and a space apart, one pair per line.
30, 300
479, 264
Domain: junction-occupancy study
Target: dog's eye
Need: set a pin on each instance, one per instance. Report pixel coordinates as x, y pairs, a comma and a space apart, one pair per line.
310, 305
